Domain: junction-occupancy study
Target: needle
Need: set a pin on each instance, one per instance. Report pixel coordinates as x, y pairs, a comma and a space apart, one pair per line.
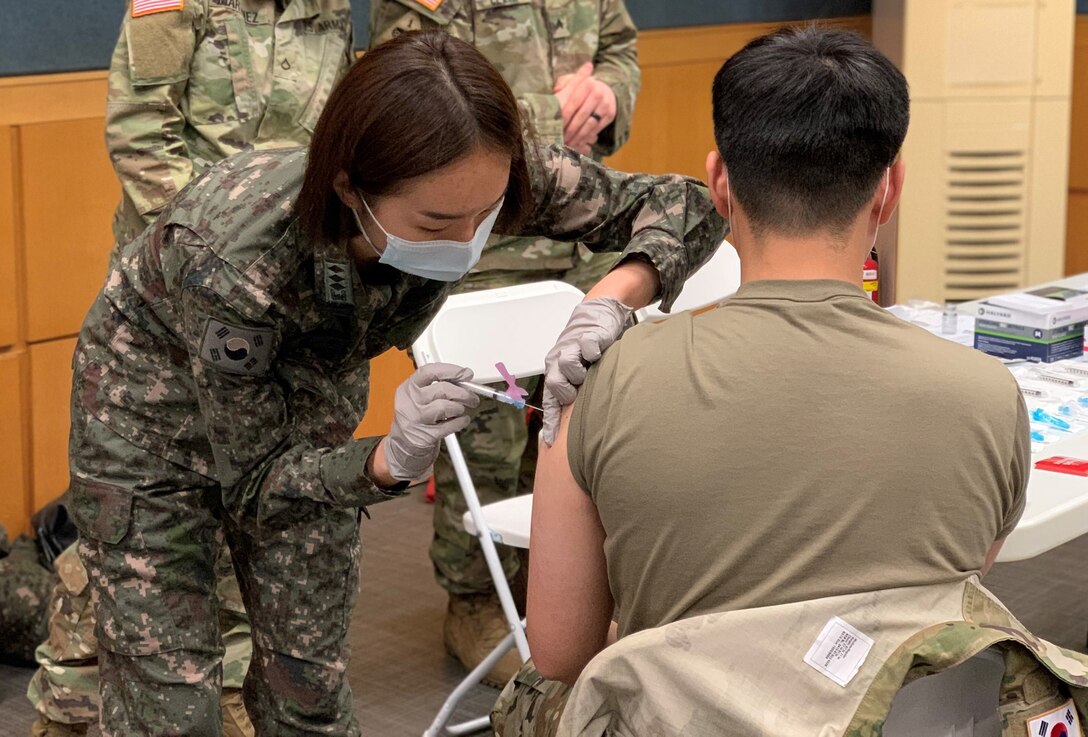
486, 391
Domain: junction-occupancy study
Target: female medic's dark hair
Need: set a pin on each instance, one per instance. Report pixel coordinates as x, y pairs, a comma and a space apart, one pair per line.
407, 108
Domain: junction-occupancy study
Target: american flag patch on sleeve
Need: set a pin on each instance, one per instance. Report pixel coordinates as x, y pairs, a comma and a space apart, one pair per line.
147, 7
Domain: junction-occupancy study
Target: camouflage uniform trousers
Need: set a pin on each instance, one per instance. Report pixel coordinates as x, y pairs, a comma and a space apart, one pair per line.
64, 690
150, 534
530, 705
24, 597
500, 448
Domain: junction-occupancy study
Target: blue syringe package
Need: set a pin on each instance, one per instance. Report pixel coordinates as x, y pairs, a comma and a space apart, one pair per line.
1044, 325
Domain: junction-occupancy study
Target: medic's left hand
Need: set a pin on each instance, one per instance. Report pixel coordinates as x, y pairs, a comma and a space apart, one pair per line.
593, 326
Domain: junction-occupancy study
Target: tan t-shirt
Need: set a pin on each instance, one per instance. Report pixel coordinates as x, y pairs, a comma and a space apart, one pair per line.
798, 442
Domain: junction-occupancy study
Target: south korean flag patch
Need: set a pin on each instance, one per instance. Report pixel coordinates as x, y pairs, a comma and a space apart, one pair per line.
237, 350
1061, 722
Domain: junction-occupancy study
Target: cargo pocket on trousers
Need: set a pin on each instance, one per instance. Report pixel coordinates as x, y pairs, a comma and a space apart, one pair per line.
102, 512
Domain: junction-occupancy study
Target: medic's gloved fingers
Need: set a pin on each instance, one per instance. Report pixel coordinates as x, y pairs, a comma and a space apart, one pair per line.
552, 410
594, 325
591, 346
423, 409
433, 372
457, 424
445, 391
564, 373
441, 410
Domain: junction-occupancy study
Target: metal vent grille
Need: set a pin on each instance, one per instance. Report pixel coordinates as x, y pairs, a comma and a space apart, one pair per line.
985, 223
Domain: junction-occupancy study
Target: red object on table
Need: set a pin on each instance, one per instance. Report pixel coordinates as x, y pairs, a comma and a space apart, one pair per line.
1064, 464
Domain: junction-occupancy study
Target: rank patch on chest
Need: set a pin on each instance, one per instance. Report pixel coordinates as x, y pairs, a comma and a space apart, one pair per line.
430, 4
148, 7
336, 276
237, 350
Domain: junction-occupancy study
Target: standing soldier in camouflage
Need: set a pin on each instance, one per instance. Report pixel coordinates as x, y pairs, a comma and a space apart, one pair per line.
190, 83
25, 584
193, 82
223, 368
573, 66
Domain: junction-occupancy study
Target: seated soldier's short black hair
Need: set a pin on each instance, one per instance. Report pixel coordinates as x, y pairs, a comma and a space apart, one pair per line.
806, 120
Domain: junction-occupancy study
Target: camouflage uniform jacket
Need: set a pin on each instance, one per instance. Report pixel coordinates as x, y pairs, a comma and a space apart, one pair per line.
227, 343
533, 43
655, 681
190, 87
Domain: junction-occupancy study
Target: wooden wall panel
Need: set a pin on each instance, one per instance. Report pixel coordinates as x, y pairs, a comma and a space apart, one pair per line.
14, 486
50, 393
1076, 244
69, 195
1078, 145
48, 97
9, 312
387, 372
672, 131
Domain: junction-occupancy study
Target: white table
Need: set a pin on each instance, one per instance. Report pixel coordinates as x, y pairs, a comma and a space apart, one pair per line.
1056, 510
1057, 503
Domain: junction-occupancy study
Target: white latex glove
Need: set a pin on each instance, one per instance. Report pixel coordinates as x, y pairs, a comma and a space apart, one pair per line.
426, 408
593, 326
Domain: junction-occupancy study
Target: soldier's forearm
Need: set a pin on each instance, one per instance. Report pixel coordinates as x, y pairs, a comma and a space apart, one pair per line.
635, 282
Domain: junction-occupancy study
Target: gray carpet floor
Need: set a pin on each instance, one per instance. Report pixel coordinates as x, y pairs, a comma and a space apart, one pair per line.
401, 674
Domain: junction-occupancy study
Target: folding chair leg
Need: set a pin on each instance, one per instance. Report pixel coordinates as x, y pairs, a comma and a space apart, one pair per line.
516, 638
466, 685
487, 544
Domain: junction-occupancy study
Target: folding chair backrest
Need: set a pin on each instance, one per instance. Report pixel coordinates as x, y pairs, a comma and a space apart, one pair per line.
515, 325
715, 280
958, 702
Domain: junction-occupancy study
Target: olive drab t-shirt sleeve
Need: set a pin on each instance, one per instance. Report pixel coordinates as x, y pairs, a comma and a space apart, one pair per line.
667, 219
264, 459
144, 120
1019, 470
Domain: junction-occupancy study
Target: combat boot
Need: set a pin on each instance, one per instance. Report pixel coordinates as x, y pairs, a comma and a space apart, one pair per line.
46, 727
474, 625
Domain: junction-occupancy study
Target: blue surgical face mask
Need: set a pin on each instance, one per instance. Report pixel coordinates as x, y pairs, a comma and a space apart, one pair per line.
439, 260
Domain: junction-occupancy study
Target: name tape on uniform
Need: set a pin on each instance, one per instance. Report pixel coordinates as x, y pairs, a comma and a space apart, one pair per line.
839, 651
147, 7
1061, 722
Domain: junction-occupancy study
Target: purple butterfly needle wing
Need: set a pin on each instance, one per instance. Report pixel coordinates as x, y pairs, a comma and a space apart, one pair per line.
513, 391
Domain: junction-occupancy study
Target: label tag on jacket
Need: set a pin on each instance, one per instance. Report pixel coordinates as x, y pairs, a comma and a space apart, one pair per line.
1061, 722
839, 651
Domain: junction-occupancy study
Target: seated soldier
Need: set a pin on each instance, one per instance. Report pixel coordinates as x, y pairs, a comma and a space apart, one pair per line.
797, 444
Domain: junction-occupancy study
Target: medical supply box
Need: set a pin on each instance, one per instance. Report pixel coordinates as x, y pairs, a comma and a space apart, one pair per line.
1045, 324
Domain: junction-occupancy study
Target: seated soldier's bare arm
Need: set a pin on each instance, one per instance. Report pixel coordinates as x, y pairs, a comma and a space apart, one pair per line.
569, 607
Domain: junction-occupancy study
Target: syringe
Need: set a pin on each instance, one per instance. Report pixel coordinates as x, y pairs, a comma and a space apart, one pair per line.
486, 391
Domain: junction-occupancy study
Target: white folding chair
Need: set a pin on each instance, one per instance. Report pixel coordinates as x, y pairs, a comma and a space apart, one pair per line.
958, 702
715, 280
517, 326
